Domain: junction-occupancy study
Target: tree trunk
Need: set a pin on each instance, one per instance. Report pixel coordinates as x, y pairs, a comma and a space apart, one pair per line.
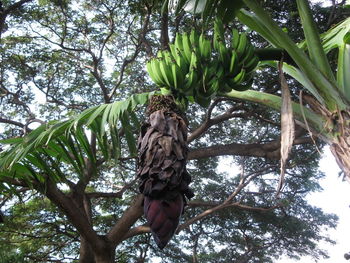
85, 253
107, 254
340, 148
107, 257
340, 143
337, 133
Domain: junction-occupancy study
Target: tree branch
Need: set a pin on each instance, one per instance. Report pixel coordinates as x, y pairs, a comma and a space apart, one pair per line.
137, 231
267, 150
244, 181
218, 119
76, 216
130, 216
104, 195
2, 120
164, 35
214, 206
126, 62
4, 12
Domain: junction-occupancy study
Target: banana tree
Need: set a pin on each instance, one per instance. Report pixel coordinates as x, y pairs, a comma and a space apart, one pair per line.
323, 108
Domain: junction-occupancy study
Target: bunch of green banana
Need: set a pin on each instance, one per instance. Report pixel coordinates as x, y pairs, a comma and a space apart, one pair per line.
197, 68
242, 64
238, 59
165, 72
180, 69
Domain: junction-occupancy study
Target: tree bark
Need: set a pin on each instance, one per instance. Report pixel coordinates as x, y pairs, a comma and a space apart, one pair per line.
340, 143
164, 35
340, 146
130, 216
86, 254
270, 150
107, 255
342, 156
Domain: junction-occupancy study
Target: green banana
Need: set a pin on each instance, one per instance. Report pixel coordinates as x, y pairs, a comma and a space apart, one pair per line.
245, 86
179, 45
191, 82
213, 86
252, 64
203, 101
188, 70
192, 77
152, 74
224, 54
174, 52
230, 85
194, 39
242, 45
194, 61
235, 38
212, 71
233, 63
165, 70
220, 72
205, 78
248, 54
178, 55
226, 87
201, 98
184, 66
160, 54
169, 59
239, 78
178, 77
155, 68
216, 85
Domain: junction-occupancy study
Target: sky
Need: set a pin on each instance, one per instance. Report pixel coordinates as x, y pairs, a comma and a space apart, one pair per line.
334, 199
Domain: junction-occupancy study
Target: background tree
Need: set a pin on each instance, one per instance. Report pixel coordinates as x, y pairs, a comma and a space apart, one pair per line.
70, 185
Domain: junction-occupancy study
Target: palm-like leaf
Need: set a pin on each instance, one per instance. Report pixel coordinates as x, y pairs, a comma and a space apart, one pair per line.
328, 89
45, 150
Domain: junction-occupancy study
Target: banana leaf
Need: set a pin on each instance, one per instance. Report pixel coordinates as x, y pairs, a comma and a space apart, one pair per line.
59, 147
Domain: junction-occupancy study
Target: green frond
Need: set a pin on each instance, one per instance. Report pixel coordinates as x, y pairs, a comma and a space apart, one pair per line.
57, 146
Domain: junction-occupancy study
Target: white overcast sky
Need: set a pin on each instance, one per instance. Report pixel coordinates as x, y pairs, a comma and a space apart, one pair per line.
334, 199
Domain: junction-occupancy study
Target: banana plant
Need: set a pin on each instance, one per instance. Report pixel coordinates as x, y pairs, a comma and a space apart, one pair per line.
323, 108
329, 90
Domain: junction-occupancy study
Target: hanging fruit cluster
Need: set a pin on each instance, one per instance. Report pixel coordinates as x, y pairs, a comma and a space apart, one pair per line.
197, 68
164, 180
